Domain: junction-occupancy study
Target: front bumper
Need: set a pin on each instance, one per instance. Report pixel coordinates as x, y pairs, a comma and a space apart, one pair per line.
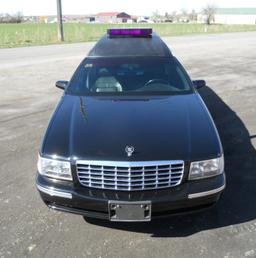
188, 197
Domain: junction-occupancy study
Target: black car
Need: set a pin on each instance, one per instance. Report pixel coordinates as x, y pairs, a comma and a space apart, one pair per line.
131, 139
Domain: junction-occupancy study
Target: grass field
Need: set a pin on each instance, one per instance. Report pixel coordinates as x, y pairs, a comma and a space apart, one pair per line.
13, 35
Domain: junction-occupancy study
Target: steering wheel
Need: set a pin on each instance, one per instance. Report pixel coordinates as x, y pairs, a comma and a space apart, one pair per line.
156, 81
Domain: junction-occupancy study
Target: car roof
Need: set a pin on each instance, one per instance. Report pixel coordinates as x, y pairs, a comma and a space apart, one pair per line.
130, 46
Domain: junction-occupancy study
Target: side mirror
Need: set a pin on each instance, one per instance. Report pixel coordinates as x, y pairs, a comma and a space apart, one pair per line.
61, 84
199, 84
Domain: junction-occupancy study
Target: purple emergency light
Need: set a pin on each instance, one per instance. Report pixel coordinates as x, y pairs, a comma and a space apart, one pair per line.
130, 31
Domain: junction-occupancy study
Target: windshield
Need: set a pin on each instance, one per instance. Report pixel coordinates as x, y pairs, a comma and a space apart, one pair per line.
129, 76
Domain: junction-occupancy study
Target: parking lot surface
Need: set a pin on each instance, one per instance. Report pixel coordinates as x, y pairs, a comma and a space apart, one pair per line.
28, 96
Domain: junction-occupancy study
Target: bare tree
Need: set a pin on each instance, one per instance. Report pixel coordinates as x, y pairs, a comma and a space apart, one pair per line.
183, 17
209, 10
167, 17
156, 16
184, 12
173, 16
192, 15
18, 17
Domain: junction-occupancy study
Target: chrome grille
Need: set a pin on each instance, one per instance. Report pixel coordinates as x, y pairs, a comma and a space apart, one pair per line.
129, 176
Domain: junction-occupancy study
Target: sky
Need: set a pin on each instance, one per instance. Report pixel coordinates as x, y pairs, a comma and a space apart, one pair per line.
134, 7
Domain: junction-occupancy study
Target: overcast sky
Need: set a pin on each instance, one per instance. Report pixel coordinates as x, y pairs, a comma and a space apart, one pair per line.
145, 7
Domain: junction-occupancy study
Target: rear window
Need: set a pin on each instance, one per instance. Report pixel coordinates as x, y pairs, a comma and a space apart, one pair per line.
129, 76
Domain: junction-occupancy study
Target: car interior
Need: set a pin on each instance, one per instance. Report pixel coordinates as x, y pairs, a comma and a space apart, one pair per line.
132, 77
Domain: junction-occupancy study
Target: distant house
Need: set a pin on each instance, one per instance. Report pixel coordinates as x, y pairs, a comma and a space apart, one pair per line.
89, 18
232, 16
113, 17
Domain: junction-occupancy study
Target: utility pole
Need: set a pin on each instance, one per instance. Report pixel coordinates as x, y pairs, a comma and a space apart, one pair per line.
60, 22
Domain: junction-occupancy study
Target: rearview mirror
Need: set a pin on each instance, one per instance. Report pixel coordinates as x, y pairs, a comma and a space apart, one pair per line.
61, 84
199, 84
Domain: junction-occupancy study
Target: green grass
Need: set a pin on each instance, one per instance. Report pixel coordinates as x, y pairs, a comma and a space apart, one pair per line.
13, 35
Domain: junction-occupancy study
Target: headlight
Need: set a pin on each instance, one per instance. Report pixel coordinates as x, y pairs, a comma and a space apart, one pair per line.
206, 168
54, 168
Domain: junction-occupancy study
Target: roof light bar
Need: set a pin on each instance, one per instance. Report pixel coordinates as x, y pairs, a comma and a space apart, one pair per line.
130, 31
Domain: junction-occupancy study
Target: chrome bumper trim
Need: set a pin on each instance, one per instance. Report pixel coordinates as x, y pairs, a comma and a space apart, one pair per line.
201, 194
53, 192
129, 163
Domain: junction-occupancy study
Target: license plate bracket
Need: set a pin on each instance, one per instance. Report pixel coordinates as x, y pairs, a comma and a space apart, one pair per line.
129, 211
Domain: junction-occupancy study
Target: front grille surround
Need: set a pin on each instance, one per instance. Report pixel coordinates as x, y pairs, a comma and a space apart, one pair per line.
130, 176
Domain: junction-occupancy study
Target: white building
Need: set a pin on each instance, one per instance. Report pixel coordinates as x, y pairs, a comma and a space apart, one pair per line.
231, 16
235, 16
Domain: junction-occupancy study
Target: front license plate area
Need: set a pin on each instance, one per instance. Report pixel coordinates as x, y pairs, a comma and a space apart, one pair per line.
129, 211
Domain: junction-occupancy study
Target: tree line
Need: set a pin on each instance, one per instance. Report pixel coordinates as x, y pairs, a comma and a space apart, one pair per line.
208, 11
14, 18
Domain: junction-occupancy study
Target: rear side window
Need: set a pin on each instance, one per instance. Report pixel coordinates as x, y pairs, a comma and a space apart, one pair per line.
129, 76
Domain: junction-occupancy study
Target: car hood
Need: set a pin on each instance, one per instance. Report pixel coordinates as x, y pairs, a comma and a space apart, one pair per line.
177, 127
